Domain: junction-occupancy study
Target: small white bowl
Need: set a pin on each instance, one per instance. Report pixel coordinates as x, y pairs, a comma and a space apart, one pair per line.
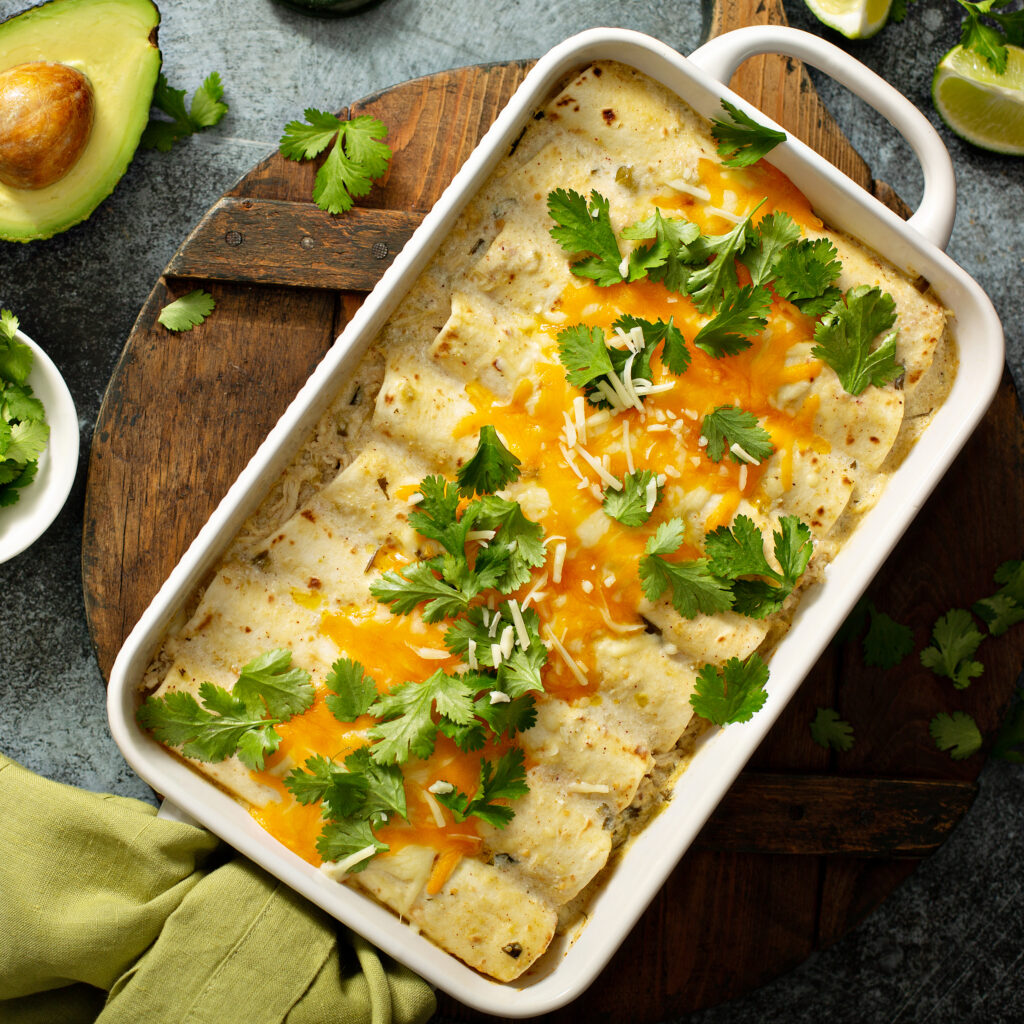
24, 522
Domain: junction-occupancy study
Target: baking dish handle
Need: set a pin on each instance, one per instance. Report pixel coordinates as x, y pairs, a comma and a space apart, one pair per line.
720, 57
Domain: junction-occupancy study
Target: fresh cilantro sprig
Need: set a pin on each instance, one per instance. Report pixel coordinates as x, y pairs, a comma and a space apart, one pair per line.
958, 733
206, 109
844, 336
733, 693
187, 312
692, 586
359, 155
1005, 608
24, 432
585, 354
716, 281
737, 553
805, 272
240, 721
503, 780
491, 468
448, 583
887, 642
629, 506
741, 140
955, 639
584, 229
721, 581
669, 258
829, 730
355, 798
987, 40
729, 425
774, 233
742, 313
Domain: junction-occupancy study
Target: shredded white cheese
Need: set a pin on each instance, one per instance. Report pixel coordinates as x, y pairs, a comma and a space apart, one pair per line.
508, 641
652, 495
743, 476
493, 628
566, 657
496, 654
440, 787
520, 624
742, 453
587, 787
579, 413
559, 562
595, 465
337, 870
416, 498
697, 191
471, 655
499, 697
435, 809
429, 653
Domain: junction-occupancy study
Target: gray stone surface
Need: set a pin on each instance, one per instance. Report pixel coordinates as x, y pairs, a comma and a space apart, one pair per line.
947, 945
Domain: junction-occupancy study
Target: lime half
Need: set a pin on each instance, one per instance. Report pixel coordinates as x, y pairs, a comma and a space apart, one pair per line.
979, 105
855, 19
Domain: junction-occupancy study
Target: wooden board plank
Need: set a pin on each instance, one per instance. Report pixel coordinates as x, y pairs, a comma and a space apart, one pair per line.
185, 412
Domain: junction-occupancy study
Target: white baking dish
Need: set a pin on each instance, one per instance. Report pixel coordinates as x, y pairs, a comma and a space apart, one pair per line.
568, 968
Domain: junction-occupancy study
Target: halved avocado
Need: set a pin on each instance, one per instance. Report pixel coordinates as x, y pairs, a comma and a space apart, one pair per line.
112, 43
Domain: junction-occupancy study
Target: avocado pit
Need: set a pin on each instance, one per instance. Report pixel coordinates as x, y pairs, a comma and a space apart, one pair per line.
46, 116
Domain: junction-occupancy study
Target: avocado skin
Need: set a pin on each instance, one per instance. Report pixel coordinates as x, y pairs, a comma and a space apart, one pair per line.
114, 44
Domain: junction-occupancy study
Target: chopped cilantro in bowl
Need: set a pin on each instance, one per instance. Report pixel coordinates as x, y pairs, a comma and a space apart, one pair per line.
38, 440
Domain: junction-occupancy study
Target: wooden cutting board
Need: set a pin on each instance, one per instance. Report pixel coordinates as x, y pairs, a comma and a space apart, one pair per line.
807, 841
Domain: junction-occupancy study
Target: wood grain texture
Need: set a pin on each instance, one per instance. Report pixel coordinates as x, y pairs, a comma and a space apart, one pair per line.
184, 413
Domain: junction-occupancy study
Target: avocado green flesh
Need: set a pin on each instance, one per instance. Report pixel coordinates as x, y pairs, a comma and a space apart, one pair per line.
113, 43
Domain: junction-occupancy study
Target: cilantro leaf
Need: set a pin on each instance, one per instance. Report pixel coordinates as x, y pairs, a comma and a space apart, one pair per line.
27, 441
505, 780
692, 586
741, 314
506, 718
986, 41
844, 335
417, 585
585, 227
385, 787
716, 280
353, 690
806, 272
206, 110
732, 693
10, 488
187, 312
518, 544
999, 612
673, 240
829, 730
406, 725
15, 356
728, 425
1005, 608
584, 354
236, 721
341, 839
768, 239
213, 732
629, 506
887, 641
359, 155
738, 552
270, 680
741, 140
675, 354
958, 733
491, 468
955, 641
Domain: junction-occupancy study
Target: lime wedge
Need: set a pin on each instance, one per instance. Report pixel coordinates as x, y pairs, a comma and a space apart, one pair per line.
979, 105
855, 19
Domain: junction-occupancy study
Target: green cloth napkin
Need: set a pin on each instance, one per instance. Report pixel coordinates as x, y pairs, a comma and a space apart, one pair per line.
111, 914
